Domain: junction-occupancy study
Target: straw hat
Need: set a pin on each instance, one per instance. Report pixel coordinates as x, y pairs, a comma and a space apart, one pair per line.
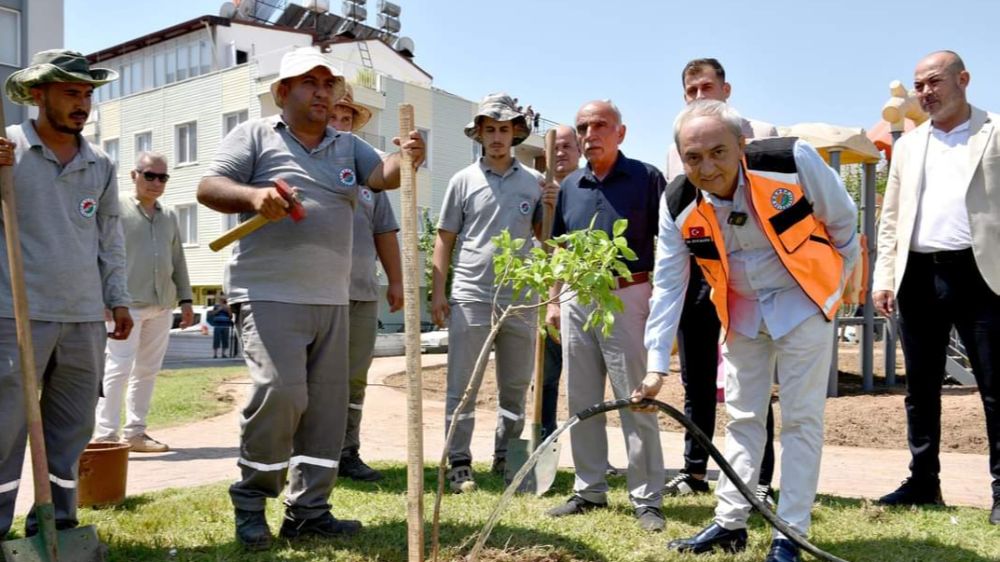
361, 113
54, 65
502, 108
300, 61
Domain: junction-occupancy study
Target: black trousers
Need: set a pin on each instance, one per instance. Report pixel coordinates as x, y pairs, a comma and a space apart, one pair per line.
698, 340
938, 291
550, 385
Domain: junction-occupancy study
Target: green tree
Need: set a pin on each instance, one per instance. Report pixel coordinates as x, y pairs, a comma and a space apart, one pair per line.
584, 264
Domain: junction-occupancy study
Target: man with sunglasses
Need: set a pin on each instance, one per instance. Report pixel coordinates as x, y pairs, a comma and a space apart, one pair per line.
157, 281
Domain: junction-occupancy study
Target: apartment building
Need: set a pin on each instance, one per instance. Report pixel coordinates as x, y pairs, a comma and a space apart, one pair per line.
26, 28
183, 88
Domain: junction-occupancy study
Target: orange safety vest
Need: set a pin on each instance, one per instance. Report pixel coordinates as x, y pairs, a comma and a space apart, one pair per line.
783, 214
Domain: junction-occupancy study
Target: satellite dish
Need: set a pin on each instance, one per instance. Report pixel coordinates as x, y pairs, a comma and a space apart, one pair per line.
228, 10
404, 46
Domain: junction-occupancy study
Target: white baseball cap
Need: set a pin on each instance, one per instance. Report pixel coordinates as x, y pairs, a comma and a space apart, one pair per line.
300, 61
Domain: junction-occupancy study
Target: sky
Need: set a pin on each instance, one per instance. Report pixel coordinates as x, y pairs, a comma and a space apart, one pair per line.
789, 61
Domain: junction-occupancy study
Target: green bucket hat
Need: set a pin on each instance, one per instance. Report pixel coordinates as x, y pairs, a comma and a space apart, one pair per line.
502, 108
54, 65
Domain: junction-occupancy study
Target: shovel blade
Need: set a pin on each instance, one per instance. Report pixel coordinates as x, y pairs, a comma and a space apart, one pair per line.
75, 545
541, 476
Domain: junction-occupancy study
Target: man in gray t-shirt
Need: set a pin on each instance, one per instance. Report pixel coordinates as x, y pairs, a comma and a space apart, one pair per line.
375, 230
493, 194
288, 284
73, 254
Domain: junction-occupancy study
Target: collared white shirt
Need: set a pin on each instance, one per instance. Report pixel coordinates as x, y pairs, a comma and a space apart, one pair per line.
942, 218
760, 288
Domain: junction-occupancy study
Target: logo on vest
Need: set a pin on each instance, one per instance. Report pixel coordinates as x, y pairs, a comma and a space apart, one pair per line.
782, 199
525, 207
347, 177
87, 208
366, 195
696, 232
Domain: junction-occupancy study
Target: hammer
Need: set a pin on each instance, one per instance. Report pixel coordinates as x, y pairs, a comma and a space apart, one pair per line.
296, 211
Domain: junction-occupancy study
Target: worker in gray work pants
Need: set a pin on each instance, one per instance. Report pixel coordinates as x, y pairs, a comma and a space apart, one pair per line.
289, 282
495, 193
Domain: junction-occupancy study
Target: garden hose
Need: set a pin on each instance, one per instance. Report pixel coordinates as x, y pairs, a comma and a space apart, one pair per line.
698, 434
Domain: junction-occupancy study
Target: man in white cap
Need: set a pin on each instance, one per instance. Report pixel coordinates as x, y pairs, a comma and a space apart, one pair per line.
493, 194
288, 285
74, 265
375, 230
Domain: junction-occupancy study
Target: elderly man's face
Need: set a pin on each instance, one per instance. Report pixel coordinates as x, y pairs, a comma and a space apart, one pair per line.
150, 189
600, 133
342, 118
705, 84
940, 88
497, 136
711, 153
309, 96
567, 151
66, 104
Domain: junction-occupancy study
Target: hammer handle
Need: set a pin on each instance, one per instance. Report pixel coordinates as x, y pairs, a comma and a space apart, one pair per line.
237, 232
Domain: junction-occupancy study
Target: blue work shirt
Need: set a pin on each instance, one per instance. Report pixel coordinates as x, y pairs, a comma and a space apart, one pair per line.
631, 190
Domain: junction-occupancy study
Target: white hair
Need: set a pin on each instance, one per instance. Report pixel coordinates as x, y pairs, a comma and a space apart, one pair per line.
147, 157
708, 108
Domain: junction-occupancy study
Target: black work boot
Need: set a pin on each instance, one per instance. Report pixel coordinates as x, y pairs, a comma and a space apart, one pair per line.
914, 491
325, 526
251, 530
351, 466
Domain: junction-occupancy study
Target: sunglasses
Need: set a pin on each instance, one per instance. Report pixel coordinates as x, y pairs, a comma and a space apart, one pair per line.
150, 176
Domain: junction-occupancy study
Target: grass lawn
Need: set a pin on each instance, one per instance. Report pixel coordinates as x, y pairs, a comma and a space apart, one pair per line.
197, 525
188, 395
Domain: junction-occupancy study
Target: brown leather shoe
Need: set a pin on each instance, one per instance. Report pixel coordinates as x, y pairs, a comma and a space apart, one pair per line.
143, 443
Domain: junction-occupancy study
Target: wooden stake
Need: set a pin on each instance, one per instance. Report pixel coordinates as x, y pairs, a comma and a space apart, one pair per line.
414, 401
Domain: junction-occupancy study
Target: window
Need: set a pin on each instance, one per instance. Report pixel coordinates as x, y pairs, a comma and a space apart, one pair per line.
148, 72
10, 37
477, 151
171, 67
186, 149
159, 70
111, 148
143, 142
115, 89
136, 69
193, 67
187, 217
426, 133
232, 120
230, 221
182, 62
206, 57
125, 77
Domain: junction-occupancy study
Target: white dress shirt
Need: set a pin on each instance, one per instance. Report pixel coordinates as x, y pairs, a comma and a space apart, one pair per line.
942, 217
760, 288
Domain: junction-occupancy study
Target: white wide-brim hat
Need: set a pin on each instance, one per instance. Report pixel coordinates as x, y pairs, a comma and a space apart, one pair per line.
300, 61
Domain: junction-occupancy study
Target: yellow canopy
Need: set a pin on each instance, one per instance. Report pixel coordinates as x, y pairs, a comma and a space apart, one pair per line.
852, 143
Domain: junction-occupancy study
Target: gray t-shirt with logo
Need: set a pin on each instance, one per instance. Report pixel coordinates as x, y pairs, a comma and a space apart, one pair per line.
69, 227
478, 205
306, 262
373, 216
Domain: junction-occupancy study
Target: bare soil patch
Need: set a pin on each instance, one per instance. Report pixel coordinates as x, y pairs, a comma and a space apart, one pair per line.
853, 419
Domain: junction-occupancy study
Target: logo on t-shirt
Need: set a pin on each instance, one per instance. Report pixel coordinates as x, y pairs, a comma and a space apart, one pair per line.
525, 207
366, 195
88, 207
347, 177
782, 199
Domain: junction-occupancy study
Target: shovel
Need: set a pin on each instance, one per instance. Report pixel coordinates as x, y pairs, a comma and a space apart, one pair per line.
48, 545
543, 473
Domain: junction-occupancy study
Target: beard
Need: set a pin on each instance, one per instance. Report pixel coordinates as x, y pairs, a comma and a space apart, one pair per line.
63, 125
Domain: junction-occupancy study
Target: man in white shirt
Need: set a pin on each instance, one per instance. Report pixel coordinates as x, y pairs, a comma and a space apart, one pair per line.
938, 261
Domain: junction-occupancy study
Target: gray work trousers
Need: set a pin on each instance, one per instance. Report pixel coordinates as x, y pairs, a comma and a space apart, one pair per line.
590, 360
364, 323
514, 346
69, 357
293, 423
